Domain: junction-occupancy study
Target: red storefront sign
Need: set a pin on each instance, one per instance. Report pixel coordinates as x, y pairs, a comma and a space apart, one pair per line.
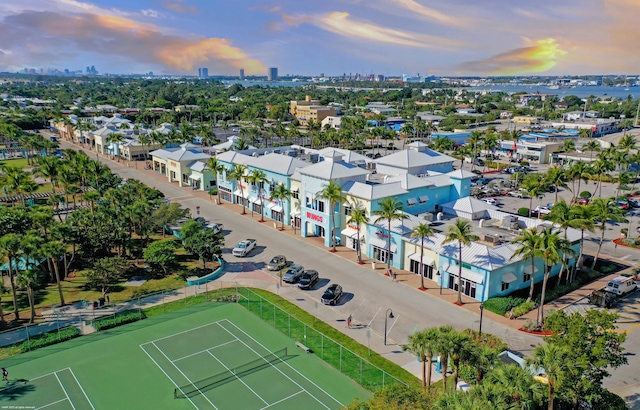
314, 217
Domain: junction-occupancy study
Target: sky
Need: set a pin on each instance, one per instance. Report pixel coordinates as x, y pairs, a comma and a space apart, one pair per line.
331, 37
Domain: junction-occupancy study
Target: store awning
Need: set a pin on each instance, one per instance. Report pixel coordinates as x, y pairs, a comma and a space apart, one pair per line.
425, 259
381, 243
466, 274
411, 201
239, 193
294, 214
350, 232
254, 200
527, 269
277, 208
423, 199
195, 177
509, 277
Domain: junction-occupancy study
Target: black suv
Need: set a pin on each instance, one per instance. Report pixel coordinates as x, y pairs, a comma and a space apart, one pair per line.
308, 279
332, 295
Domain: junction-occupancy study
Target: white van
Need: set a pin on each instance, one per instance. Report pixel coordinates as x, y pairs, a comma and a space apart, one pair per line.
621, 285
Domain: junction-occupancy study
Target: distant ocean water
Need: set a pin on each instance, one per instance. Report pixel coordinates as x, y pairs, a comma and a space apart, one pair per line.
247, 83
582, 92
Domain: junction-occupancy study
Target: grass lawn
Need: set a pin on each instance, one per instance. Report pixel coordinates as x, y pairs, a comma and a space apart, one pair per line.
17, 162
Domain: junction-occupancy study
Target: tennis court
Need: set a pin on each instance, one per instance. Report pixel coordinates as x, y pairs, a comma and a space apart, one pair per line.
215, 364
59, 390
209, 356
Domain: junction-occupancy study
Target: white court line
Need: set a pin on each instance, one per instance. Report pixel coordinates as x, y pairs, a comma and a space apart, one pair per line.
169, 377
286, 398
180, 333
51, 404
185, 376
239, 379
374, 316
285, 363
205, 350
79, 385
65, 391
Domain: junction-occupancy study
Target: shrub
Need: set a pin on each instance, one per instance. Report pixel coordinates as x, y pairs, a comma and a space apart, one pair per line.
523, 308
585, 194
523, 211
121, 318
530, 325
525, 163
49, 338
502, 305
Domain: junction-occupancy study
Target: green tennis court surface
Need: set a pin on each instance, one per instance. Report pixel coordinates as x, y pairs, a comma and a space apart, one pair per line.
210, 356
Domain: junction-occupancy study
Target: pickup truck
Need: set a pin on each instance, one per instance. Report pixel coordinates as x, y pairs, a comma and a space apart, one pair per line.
244, 247
217, 228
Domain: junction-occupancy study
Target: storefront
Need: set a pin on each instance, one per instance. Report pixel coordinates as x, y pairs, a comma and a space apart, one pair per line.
425, 268
379, 249
351, 237
225, 194
469, 282
240, 198
276, 211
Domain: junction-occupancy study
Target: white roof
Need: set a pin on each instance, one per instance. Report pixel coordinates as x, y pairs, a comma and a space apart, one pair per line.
468, 204
198, 166
347, 156
234, 157
408, 181
375, 191
461, 174
277, 163
402, 226
411, 158
329, 170
180, 154
227, 145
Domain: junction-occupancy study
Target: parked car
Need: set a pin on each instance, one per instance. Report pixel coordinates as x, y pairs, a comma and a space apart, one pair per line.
244, 247
483, 181
308, 279
332, 295
543, 210
476, 171
293, 274
517, 194
217, 228
201, 220
622, 204
491, 201
278, 262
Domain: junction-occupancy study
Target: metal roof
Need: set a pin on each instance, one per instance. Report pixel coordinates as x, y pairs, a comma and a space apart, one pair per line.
329, 170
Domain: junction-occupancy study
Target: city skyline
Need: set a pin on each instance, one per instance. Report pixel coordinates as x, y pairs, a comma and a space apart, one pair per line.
389, 37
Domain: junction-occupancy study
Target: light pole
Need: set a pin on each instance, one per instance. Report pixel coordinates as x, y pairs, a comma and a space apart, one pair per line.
481, 310
438, 275
387, 315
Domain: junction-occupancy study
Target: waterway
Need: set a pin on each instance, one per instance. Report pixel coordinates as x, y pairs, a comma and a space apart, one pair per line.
249, 83
581, 92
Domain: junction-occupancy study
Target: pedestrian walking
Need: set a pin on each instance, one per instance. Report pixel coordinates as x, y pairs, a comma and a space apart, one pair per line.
5, 375
395, 276
349, 319
512, 314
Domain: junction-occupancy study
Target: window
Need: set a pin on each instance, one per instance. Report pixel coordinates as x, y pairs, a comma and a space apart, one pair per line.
295, 194
526, 277
319, 206
309, 200
505, 286
272, 186
347, 210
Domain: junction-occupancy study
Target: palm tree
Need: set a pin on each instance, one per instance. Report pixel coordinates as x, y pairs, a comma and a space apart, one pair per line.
389, 209
259, 178
529, 247
604, 211
461, 232
561, 216
332, 192
48, 168
601, 166
583, 219
280, 193
591, 147
424, 345
580, 171
358, 217
569, 146
145, 141
518, 384
236, 175
29, 279
115, 139
444, 347
475, 141
552, 247
534, 185
10, 247
556, 362
422, 231
557, 177
461, 351
217, 169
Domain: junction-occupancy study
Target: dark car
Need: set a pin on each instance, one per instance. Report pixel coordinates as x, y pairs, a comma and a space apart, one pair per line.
278, 262
308, 279
332, 295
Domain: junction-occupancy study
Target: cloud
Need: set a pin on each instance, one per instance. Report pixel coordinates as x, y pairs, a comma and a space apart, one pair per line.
179, 7
342, 24
150, 13
32, 36
537, 58
434, 15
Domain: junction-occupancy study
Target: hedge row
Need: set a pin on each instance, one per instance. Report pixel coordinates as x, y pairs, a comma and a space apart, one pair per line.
49, 338
120, 318
501, 306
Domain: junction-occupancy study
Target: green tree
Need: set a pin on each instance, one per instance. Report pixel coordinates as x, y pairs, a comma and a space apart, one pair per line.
582, 219
161, 254
557, 177
217, 168
556, 362
11, 246
53, 250
552, 247
48, 168
519, 386
604, 211
422, 231
168, 214
389, 209
529, 247
206, 244
280, 193
332, 192
357, 217
424, 345
460, 232
29, 279
237, 175
106, 272
444, 347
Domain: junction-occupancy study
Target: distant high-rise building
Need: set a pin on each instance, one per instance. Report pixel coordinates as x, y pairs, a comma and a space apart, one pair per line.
242, 74
203, 72
272, 75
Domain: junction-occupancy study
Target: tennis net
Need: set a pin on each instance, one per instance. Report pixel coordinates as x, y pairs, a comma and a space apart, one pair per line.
200, 386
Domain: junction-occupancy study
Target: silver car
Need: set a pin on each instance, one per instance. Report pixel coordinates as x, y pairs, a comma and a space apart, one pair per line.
293, 274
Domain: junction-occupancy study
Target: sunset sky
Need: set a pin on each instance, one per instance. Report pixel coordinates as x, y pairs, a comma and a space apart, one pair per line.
301, 37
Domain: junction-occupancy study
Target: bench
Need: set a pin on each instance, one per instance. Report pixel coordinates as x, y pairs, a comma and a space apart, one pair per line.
303, 347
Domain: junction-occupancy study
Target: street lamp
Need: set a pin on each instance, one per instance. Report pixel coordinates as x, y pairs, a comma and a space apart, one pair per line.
388, 315
438, 275
481, 310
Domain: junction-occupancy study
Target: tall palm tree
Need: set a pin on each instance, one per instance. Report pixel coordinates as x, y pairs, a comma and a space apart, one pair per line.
580, 171
552, 247
591, 147
217, 168
115, 139
424, 345
557, 364
29, 279
534, 185
145, 141
460, 232
280, 193
48, 168
14, 179
259, 178
237, 175
561, 216
600, 167
444, 348
389, 209
10, 247
422, 231
529, 247
461, 350
518, 384
357, 217
475, 141
582, 219
332, 192
557, 177
604, 211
